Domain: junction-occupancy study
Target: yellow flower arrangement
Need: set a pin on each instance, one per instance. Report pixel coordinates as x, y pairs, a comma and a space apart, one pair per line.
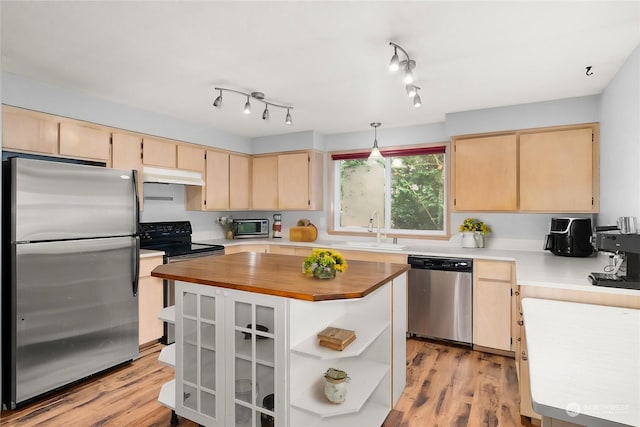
324, 258
472, 224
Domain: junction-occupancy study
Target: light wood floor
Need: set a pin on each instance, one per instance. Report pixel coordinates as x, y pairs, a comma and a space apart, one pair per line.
446, 386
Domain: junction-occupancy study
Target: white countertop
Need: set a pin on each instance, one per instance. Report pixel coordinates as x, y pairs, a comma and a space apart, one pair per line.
533, 268
584, 362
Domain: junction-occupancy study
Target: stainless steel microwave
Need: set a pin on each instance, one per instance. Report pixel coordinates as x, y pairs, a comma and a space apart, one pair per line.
250, 228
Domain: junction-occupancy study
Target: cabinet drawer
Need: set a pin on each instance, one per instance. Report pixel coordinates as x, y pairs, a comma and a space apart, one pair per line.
493, 270
148, 264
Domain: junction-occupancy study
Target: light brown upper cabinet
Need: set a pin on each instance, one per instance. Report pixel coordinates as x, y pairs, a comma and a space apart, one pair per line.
159, 153
28, 132
287, 181
300, 181
558, 171
264, 179
485, 173
215, 193
239, 182
82, 141
126, 153
536, 170
191, 158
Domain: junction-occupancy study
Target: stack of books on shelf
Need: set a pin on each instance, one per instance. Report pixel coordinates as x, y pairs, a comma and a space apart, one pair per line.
336, 338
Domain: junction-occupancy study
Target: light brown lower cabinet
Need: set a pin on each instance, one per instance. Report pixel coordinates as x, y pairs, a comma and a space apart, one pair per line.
150, 301
492, 304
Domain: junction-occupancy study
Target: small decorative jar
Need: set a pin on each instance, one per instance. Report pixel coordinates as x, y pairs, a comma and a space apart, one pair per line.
335, 389
229, 234
468, 239
479, 239
324, 272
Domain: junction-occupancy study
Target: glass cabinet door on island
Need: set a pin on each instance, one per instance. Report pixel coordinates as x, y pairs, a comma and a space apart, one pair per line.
228, 364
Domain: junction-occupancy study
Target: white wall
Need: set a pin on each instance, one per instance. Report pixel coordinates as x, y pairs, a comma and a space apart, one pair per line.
584, 109
23, 92
620, 143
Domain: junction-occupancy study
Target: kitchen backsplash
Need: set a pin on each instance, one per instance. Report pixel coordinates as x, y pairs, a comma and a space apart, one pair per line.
166, 202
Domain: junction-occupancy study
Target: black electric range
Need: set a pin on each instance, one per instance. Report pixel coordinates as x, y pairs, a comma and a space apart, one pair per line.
174, 238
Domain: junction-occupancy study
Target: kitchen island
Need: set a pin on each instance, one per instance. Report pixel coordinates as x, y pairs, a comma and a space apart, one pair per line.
246, 340
584, 362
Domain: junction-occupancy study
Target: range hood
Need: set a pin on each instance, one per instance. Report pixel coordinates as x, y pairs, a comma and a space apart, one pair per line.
171, 176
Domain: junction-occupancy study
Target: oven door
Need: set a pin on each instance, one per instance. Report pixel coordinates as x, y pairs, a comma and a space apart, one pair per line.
170, 290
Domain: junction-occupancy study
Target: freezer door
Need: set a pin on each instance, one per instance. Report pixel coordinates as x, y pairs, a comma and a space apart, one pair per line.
76, 312
53, 201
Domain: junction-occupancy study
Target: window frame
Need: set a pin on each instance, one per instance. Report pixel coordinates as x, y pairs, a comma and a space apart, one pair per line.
334, 196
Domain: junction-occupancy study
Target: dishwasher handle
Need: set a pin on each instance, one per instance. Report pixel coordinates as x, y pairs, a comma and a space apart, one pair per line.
464, 265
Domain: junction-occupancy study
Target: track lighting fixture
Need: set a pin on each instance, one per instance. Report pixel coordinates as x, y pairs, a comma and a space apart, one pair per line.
375, 152
407, 65
259, 96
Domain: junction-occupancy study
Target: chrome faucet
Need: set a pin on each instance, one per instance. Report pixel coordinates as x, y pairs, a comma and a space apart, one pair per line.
370, 229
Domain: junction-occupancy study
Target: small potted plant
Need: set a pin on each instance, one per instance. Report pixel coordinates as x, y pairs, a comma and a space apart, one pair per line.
323, 264
473, 231
226, 222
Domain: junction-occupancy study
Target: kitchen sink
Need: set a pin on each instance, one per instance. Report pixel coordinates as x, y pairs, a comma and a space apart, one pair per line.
372, 245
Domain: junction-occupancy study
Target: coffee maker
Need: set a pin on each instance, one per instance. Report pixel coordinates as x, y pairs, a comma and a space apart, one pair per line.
628, 247
570, 237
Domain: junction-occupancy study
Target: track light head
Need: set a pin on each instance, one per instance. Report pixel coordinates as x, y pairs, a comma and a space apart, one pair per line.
247, 107
265, 114
408, 76
394, 65
417, 102
411, 90
287, 119
218, 101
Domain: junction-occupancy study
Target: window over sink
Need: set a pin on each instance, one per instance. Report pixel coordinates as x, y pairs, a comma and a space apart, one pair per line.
405, 192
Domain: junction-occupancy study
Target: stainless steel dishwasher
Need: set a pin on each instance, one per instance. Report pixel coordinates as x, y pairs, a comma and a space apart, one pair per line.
440, 298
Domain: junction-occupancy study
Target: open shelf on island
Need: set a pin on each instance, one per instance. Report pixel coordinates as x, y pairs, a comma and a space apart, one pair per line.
168, 355
374, 415
365, 375
167, 395
367, 330
168, 314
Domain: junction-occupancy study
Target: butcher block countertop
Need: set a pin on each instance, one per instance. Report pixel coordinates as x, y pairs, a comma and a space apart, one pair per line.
280, 275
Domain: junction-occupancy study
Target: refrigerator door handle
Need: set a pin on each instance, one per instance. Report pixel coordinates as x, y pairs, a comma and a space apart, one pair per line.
136, 200
136, 266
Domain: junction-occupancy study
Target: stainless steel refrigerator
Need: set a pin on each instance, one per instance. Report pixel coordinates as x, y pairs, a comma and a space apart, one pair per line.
70, 274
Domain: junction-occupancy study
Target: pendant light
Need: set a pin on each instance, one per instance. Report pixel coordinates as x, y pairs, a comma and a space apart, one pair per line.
287, 119
265, 114
417, 102
375, 152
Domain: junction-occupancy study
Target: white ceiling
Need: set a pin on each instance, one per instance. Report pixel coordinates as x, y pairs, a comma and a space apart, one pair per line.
327, 59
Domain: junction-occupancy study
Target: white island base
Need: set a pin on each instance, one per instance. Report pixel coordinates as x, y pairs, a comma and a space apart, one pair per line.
217, 345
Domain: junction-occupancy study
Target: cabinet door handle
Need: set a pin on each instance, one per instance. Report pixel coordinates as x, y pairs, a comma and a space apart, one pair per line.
524, 356
520, 322
517, 293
